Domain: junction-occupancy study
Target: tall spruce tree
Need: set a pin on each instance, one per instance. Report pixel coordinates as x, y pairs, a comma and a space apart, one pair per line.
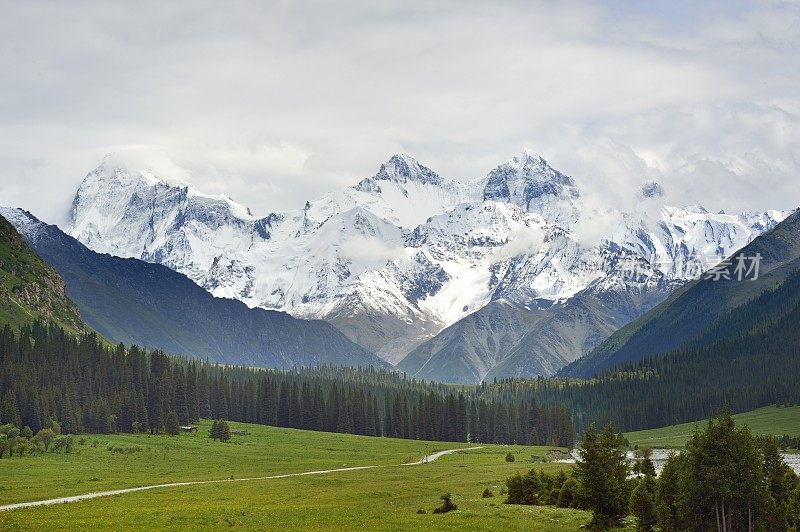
602, 471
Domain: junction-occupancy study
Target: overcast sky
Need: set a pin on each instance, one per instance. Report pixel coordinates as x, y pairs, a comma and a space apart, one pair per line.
274, 103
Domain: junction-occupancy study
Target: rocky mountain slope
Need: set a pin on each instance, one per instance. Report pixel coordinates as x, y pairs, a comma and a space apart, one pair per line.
29, 288
404, 255
710, 308
135, 302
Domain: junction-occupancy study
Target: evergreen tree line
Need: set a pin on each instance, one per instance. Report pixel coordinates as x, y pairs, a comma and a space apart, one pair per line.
785, 442
88, 386
723, 481
759, 369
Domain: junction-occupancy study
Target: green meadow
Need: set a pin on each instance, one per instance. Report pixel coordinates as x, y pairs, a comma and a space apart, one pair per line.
768, 420
386, 497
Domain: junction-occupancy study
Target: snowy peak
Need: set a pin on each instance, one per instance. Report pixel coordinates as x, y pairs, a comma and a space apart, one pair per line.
403, 168
529, 182
131, 212
400, 169
405, 253
651, 189
119, 175
525, 178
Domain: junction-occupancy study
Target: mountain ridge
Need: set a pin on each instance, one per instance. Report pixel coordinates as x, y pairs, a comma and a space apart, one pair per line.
402, 255
692, 312
136, 302
30, 289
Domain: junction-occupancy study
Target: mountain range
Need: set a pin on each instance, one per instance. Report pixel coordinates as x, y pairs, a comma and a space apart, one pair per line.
447, 280
718, 306
721, 342
135, 302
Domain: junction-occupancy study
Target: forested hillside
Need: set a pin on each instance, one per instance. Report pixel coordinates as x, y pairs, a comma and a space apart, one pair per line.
46, 374
49, 373
750, 358
699, 312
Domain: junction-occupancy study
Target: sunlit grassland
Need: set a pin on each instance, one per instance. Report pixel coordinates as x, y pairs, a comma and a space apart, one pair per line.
768, 420
387, 497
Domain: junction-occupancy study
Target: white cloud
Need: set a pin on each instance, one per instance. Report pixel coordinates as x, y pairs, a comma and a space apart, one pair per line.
524, 241
362, 249
277, 102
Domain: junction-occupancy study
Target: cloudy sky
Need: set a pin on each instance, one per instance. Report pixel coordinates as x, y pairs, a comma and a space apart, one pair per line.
277, 102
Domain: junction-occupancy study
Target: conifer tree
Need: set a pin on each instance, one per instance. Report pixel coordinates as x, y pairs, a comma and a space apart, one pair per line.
643, 504
602, 471
171, 423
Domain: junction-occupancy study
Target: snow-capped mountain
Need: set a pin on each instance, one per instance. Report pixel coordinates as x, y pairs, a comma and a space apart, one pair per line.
152, 306
405, 254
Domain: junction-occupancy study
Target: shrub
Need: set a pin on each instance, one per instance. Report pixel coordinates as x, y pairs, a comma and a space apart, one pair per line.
124, 450
487, 493
220, 431
523, 489
535, 487
567, 496
46, 436
509, 457
63, 444
447, 505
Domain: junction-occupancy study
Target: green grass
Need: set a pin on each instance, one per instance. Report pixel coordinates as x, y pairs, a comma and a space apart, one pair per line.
383, 498
768, 420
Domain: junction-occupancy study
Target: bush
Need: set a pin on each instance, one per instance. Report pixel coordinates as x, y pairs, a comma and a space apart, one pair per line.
567, 496
487, 493
509, 457
602, 522
535, 488
46, 436
124, 450
220, 431
447, 505
63, 444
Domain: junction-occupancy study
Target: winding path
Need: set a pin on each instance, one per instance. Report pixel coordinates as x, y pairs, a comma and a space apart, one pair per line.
434, 456
95, 495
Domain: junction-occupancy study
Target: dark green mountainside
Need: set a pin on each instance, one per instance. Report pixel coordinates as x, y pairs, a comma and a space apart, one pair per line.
702, 311
29, 288
749, 358
135, 302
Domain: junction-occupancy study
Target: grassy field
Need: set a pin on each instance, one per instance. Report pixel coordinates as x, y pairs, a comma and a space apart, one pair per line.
767, 420
385, 498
